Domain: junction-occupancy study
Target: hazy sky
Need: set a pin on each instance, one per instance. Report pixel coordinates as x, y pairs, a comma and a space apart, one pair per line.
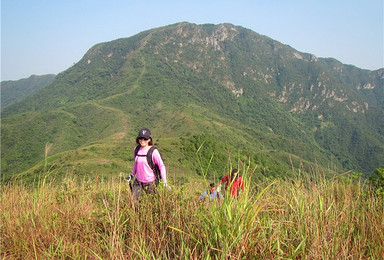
48, 36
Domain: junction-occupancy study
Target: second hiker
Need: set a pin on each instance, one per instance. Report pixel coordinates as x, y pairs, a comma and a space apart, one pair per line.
234, 181
212, 194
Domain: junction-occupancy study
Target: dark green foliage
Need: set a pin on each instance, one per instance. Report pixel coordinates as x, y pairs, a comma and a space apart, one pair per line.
203, 151
377, 180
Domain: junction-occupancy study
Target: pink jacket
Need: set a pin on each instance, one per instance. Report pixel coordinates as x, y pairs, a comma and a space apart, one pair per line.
143, 171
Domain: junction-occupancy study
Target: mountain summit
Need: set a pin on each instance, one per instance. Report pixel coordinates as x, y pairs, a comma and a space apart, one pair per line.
225, 81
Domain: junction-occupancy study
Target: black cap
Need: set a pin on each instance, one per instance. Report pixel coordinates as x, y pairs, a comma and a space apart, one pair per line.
144, 133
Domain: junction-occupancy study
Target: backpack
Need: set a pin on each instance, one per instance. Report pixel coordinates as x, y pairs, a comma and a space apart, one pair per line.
153, 166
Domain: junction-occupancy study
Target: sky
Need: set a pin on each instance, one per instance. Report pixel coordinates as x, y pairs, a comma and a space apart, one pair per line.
41, 37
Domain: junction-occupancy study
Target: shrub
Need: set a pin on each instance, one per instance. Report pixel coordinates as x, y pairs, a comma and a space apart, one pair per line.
377, 181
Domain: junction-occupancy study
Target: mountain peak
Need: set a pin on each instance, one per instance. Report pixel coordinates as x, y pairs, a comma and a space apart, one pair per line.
224, 80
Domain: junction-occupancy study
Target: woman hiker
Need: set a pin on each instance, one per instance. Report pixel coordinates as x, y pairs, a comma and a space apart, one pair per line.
147, 169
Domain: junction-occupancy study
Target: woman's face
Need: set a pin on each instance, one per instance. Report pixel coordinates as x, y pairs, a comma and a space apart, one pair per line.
144, 142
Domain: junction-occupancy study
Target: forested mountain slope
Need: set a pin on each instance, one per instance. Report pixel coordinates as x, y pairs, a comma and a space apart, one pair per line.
13, 91
241, 90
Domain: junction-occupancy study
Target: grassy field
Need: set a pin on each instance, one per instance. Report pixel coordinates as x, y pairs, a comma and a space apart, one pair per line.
301, 218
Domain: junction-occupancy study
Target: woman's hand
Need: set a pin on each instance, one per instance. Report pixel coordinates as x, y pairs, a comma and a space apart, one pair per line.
166, 186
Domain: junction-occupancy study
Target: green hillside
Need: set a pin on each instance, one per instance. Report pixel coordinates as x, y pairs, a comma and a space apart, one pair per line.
236, 92
15, 91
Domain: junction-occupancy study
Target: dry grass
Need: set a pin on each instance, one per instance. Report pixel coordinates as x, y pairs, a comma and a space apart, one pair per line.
293, 219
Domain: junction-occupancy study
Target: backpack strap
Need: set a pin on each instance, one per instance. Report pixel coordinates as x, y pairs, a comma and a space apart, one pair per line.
137, 148
153, 166
149, 157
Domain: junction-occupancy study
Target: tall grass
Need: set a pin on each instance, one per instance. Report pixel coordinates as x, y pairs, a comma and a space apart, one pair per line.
310, 218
